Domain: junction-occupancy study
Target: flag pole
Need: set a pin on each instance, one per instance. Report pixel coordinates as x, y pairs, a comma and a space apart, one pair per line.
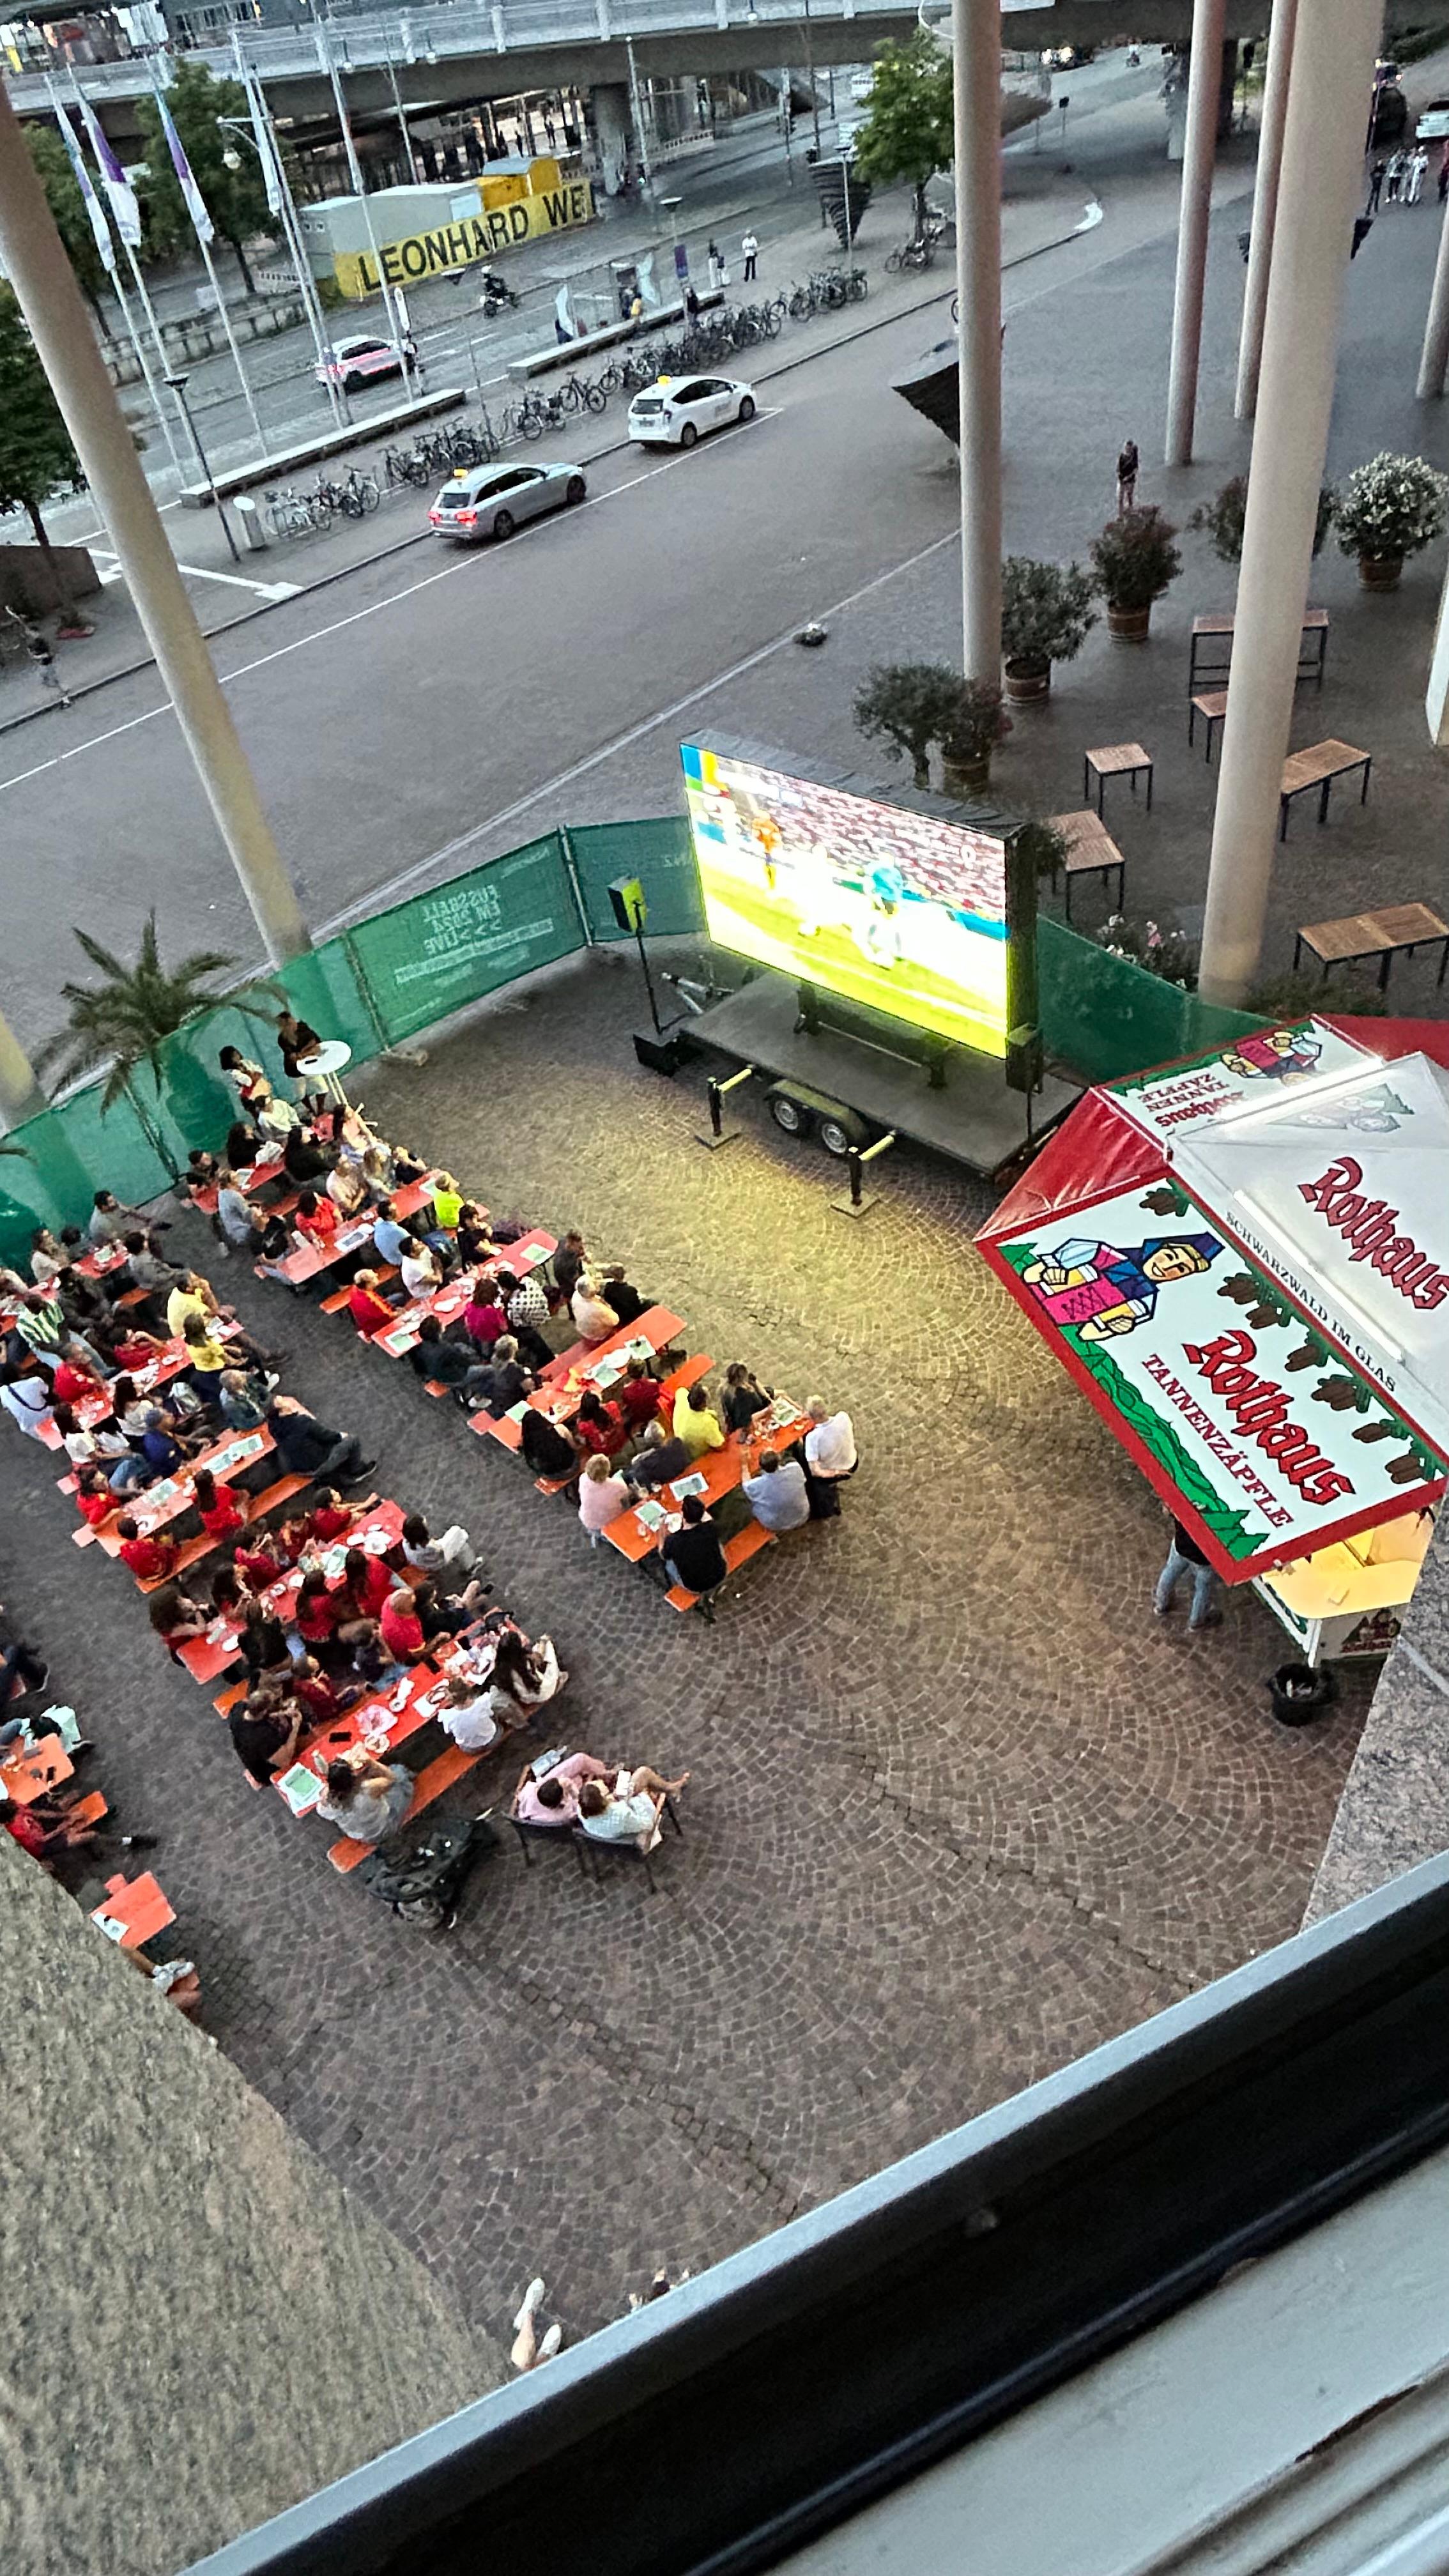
107, 249
279, 197
147, 308
203, 227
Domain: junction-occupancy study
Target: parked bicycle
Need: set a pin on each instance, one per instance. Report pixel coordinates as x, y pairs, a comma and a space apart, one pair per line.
355, 499
579, 393
296, 514
404, 465
918, 252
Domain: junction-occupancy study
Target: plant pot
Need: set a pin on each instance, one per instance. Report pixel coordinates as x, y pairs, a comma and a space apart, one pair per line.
1129, 625
1299, 1694
1027, 683
1380, 572
964, 779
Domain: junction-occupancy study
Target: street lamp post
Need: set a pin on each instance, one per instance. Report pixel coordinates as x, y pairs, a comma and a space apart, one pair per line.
670, 206
810, 76
638, 107
178, 385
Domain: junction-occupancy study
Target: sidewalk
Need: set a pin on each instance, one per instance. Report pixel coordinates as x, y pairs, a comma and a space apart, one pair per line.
228, 595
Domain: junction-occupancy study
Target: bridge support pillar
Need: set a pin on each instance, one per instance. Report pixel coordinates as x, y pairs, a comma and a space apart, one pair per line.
609, 109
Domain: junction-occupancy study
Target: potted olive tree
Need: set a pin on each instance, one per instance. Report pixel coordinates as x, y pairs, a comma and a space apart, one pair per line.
974, 724
1135, 559
1221, 520
1392, 507
904, 706
1046, 616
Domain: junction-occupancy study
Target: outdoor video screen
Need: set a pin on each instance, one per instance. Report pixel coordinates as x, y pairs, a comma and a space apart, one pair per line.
892, 909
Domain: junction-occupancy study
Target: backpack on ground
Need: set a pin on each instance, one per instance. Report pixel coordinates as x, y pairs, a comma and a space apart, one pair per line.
424, 1885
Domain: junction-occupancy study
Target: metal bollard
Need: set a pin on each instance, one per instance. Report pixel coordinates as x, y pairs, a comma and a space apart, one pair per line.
715, 1092
856, 1159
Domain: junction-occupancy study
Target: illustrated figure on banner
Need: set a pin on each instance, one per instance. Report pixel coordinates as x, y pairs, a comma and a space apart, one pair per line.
1103, 1290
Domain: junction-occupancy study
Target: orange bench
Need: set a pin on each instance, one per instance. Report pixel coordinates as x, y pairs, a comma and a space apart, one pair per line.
429, 1784
737, 1552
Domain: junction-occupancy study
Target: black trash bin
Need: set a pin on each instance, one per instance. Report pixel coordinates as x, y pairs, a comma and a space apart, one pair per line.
1299, 1694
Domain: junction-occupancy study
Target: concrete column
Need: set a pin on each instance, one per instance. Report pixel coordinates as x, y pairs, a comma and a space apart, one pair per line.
20, 1093
1434, 361
609, 101
41, 274
976, 47
1333, 61
1265, 203
1204, 86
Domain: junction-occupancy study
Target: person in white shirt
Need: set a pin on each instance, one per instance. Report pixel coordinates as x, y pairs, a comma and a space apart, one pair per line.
467, 1716
26, 1398
421, 1270
276, 1118
595, 1319
451, 1558
829, 1443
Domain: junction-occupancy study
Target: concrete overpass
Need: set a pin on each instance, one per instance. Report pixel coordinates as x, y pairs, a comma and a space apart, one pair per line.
496, 48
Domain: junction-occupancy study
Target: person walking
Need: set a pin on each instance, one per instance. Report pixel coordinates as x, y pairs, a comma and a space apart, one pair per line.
1418, 173
42, 661
750, 251
1395, 179
1127, 463
1376, 183
1185, 1557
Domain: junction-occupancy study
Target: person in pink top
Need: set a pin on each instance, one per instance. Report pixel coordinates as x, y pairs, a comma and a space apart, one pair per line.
554, 1800
483, 1316
602, 1497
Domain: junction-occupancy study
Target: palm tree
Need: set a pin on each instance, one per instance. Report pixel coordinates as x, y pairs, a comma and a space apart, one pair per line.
118, 1027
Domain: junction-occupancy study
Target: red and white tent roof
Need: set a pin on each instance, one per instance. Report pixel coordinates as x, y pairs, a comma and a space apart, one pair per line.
1244, 1262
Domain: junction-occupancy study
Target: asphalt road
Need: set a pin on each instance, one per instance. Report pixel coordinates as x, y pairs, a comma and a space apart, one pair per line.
427, 697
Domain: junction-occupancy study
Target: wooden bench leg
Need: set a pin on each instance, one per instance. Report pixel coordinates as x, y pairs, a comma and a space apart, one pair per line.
1387, 961
1443, 961
1297, 951
1149, 786
1191, 721
1368, 764
1323, 796
1283, 818
1067, 897
1086, 780
1121, 882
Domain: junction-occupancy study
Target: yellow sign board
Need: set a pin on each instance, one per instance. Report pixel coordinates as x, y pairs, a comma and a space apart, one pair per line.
473, 237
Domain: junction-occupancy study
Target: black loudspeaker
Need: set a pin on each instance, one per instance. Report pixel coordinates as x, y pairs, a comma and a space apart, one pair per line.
626, 894
1023, 1059
661, 1055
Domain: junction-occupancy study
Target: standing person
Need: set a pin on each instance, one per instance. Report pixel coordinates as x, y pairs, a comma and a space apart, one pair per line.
1444, 173
1395, 179
1127, 464
42, 662
750, 252
716, 266
1418, 172
1377, 176
1186, 1557
297, 1040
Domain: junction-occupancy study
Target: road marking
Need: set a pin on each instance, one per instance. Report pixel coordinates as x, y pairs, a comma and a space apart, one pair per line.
451, 850
109, 567
320, 634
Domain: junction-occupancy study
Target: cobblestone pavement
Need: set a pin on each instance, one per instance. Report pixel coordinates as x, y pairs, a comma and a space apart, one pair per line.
960, 1807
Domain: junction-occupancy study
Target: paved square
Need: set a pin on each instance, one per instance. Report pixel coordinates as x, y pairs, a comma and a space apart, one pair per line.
960, 1808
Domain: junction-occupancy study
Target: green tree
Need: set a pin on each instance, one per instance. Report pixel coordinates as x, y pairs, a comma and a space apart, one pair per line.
908, 133
236, 200
120, 1026
67, 206
37, 459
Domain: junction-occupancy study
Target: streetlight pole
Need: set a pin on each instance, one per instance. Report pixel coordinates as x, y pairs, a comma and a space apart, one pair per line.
354, 168
638, 107
976, 74
413, 169
178, 385
810, 76
45, 287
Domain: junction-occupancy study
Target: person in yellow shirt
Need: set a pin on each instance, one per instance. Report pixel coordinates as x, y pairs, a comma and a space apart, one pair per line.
695, 1422
190, 1296
447, 1202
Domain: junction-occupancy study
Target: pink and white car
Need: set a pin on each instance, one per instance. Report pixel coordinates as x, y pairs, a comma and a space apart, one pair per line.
359, 360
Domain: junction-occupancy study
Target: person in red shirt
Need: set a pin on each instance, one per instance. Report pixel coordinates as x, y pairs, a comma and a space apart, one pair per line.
72, 1383
151, 1559
331, 1517
94, 1497
135, 1349
216, 1505
317, 1220
366, 1304
640, 1397
363, 1585
259, 1561
322, 1698
484, 1317
315, 1613
597, 1426
402, 1629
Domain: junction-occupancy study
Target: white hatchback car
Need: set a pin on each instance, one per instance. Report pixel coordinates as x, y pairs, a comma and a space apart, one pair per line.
677, 410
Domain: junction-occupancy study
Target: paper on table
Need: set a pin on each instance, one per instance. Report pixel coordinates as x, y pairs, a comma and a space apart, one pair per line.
300, 1787
651, 1514
781, 1412
606, 1373
516, 1412
683, 1485
638, 1349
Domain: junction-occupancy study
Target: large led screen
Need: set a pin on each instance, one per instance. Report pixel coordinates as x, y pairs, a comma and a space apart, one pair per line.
880, 905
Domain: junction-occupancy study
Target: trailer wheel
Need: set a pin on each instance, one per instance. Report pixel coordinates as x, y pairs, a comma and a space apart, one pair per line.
787, 1113
833, 1137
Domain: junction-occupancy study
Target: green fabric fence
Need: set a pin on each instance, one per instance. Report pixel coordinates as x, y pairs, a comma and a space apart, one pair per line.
391, 977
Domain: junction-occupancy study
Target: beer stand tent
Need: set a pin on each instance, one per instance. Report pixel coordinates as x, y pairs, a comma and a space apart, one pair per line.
1243, 1261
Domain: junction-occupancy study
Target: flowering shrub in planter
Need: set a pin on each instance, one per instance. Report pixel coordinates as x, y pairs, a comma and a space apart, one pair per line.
1392, 507
1142, 943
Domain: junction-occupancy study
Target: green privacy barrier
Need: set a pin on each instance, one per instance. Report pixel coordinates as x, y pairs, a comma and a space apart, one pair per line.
659, 853
432, 956
401, 972
1103, 1016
